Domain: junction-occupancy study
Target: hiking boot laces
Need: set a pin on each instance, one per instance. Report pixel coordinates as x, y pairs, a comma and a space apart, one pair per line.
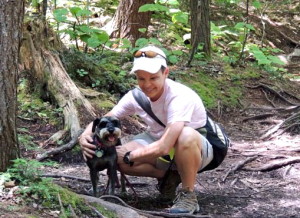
185, 202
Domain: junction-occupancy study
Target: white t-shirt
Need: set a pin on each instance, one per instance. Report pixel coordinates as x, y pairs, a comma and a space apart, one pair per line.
177, 103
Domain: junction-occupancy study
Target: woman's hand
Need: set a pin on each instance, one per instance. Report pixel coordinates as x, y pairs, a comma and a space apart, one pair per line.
88, 149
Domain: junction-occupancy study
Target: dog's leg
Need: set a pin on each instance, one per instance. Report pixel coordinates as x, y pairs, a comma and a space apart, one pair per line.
123, 183
95, 179
112, 175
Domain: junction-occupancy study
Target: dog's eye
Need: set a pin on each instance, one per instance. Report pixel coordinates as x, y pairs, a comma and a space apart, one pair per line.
115, 122
102, 124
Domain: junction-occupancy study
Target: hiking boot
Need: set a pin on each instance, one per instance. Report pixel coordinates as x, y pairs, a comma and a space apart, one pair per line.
167, 186
185, 202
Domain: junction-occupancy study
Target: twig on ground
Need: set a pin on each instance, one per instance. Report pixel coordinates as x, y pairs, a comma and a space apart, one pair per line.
271, 102
100, 215
72, 211
61, 206
239, 166
258, 117
66, 176
286, 171
275, 165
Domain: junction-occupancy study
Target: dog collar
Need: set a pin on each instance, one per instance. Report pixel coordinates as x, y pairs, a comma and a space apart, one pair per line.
99, 144
99, 150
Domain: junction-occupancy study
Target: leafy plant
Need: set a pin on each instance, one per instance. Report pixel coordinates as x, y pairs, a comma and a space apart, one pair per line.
43, 191
26, 140
78, 28
82, 72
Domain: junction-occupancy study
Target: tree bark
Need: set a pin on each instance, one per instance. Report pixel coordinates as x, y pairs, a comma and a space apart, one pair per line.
11, 19
47, 72
128, 20
200, 25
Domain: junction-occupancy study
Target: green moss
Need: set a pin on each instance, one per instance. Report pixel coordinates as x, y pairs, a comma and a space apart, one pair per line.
215, 90
104, 211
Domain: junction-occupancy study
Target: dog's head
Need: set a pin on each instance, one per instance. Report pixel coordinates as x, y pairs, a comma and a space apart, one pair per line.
107, 130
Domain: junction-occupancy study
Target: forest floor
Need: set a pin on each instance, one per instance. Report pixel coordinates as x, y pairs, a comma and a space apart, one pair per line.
258, 178
239, 187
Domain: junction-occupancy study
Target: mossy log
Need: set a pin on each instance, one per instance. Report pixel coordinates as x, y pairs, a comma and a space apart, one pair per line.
40, 58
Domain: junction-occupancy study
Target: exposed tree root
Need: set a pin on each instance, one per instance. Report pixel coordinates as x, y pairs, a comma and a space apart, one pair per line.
48, 75
277, 94
149, 213
258, 117
275, 165
66, 176
60, 149
292, 121
240, 165
55, 137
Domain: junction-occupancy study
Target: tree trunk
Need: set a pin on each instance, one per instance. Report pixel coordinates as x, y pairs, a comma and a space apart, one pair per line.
49, 76
11, 19
200, 25
128, 20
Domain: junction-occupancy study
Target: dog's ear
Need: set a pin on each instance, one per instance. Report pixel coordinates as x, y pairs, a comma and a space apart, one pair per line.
95, 123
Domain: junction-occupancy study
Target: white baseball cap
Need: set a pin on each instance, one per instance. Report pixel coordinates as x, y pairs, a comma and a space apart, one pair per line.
149, 64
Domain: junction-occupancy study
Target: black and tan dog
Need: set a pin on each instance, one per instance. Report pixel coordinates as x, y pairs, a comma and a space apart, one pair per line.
107, 133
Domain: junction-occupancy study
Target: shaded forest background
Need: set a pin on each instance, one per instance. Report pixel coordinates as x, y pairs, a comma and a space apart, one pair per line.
74, 67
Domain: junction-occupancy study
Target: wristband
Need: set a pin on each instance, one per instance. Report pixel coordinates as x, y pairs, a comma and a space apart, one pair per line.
126, 159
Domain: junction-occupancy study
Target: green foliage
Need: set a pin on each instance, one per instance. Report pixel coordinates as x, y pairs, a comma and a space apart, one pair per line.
27, 171
102, 72
26, 140
79, 29
264, 56
43, 191
153, 7
81, 72
31, 106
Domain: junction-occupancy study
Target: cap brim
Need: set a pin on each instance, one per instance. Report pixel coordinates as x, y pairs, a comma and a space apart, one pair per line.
151, 65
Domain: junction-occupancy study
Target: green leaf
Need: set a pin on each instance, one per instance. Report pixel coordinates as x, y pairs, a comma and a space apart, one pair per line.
173, 59
141, 42
93, 42
170, 2
84, 12
239, 25
60, 14
177, 52
85, 37
125, 43
85, 28
102, 36
71, 33
142, 30
154, 41
275, 60
180, 17
250, 27
74, 10
153, 7
256, 4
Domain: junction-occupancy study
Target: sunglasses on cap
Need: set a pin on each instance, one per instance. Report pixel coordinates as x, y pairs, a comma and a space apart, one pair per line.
147, 54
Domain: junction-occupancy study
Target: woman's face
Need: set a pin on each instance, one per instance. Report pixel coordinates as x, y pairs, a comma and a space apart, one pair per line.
152, 84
